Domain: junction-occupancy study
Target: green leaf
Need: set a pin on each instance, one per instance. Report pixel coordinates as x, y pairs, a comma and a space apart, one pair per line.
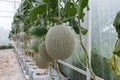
117, 52
117, 45
117, 48
116, 23
52, 7
38, 10
46, 1
21, 17
70, 9
53, 19
35, 47
52, 3
83, 4
38, 31
74, 24
84, 31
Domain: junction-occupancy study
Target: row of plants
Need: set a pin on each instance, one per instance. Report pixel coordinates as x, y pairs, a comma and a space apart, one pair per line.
6, 46
46, 29
38, 20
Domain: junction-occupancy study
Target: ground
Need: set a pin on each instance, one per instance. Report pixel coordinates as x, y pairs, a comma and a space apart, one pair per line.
8, 65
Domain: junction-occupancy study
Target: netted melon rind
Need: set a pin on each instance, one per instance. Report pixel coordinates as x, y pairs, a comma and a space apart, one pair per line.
21, 27
42, 59
60, 42
34, 42
43, 52
40, 62
14, 37
21, 36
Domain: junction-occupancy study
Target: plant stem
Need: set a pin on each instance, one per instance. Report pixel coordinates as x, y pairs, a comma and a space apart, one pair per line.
81, 43
66, 19
116, 42
50, 72
58, 71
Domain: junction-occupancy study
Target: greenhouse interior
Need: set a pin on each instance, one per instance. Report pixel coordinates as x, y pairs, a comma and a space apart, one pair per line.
59, 40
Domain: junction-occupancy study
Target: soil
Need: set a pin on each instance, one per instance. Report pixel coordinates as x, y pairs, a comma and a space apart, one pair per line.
8, 65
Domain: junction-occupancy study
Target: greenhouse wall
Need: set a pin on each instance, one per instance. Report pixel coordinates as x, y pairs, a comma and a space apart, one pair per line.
100, 40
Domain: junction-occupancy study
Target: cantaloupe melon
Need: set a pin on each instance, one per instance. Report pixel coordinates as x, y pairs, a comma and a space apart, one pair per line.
21, 36
60, 42
34, 42
21, 27
40, 62
14, 37
42, 59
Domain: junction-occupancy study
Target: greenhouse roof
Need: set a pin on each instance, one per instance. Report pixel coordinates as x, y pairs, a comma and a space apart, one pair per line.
7, 10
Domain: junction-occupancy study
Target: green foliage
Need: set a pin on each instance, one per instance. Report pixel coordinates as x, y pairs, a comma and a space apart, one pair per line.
116, 23
74, 24
35, 47
117, 52
53, 19
51, 3
70, 10
48, 13
83, 4
38, 31
117, 48
37, 10
99, 64
84, 31
19, 17
6, 47
113, 60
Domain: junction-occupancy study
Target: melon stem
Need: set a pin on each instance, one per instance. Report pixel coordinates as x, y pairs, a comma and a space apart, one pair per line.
58, 71
82, 45
50, 72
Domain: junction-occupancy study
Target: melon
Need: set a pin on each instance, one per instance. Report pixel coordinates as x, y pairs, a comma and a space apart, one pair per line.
34, 42
22, 36
40, 62
21, 27
14, 37
60, 42
22, 45
42, 59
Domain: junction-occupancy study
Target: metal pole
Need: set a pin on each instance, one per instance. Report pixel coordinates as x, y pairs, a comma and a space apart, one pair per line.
72, 67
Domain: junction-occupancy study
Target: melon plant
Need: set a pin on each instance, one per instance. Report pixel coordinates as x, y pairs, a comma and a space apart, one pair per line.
37, 31
42, 59
113, 60
34, 47
116, 23
117, 48
34, 42
60, 42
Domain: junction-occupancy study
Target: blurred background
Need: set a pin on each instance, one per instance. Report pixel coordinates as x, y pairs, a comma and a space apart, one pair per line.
7, 11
